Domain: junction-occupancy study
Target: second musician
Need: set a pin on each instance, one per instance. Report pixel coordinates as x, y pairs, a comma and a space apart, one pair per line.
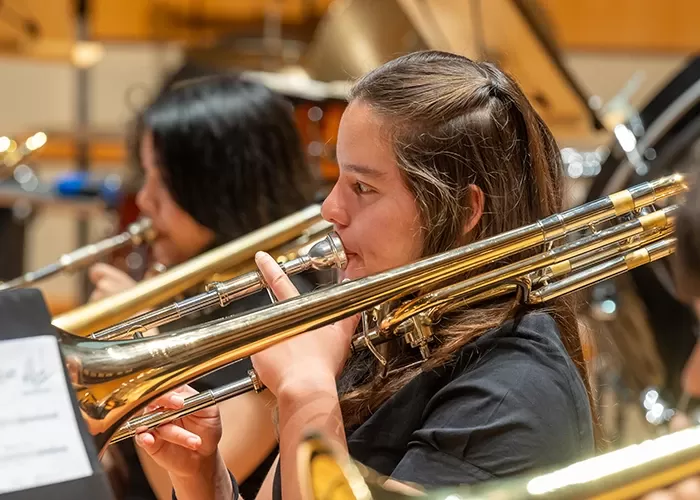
221, 157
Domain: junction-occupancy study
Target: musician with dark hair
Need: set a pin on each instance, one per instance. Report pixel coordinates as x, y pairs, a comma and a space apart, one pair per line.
435, 151
221, 157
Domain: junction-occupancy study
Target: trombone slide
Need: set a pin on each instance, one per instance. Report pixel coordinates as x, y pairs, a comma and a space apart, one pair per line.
113, 379
137, 233
325, 254
608, 268
91, 317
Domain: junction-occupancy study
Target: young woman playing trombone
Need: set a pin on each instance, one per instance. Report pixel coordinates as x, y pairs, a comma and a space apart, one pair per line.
435, 151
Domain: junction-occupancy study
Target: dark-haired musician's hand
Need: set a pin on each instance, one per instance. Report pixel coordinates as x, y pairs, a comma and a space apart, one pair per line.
312, 355
186, 445
108, 281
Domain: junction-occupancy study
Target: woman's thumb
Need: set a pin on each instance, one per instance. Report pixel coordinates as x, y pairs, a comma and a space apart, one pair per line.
349, 325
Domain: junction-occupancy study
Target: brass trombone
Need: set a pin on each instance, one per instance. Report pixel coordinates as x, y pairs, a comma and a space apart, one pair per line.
325, 254
288, 234
114, 379
625, 474
136, 233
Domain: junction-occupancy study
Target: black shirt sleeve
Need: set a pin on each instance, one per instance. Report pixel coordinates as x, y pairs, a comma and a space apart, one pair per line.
513, 411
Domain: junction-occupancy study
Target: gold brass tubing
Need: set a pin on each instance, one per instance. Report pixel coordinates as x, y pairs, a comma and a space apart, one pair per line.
114, 379
477, 283
325, 254
98, 315
559, 268
214, 396
653, 220
594, 257
624, 474
459, 297
613, 267
623, 202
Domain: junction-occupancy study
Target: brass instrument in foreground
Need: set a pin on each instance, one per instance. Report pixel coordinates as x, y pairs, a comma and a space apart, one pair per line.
114, 379
614, 254
325, 254
135, 234
327, 473
95, 316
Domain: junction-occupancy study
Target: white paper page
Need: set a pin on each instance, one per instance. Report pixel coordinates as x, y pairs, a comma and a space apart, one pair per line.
40, 442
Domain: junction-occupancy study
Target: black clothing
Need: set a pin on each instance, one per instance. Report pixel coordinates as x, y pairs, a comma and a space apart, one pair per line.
138, 488
511, 402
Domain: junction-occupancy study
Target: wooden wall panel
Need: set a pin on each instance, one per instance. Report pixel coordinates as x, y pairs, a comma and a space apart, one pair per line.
626, 25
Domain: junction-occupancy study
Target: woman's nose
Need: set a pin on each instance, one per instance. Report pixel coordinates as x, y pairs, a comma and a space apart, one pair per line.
144, 201
333, 210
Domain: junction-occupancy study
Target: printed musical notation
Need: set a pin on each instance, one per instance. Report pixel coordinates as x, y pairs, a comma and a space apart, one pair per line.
40, 442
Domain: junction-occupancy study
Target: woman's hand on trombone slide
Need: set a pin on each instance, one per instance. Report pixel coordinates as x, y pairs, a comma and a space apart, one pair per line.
301, 371
187, 449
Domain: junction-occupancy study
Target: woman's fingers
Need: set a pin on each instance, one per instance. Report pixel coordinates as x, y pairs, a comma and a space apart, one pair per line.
178, 435
274, 276
100, 271
679, 422
153, 440
96, 272
174, 399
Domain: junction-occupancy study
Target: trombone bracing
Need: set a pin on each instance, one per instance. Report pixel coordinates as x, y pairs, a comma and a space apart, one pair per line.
101, 314
136, 233
114, 379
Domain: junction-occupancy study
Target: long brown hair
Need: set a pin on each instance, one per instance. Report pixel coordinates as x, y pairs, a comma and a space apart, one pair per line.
455, 123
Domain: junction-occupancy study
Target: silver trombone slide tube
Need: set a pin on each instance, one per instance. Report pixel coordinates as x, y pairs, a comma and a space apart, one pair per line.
576, 281
136, 233
325, 254
192, 404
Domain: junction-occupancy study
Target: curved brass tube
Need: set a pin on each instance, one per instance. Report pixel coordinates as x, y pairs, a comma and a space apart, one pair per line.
611, 251
113, 379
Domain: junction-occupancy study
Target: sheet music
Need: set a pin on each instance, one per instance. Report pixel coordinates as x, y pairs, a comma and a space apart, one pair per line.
40, 442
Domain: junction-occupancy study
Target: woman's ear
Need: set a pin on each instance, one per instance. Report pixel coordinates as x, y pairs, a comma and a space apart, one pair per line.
475, 201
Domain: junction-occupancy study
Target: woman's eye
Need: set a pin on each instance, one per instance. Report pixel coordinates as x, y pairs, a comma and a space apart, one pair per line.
362, 188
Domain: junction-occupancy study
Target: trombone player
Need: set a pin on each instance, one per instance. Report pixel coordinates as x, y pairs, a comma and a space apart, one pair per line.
221, 157
435, 151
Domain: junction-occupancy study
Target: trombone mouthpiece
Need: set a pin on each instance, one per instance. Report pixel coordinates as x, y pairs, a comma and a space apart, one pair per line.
328, 253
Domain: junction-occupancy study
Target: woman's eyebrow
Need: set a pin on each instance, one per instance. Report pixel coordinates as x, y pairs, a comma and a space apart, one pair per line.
364, 170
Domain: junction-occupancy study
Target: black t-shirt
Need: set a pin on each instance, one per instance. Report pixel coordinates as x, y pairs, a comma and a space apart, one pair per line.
512, 402
138, 487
